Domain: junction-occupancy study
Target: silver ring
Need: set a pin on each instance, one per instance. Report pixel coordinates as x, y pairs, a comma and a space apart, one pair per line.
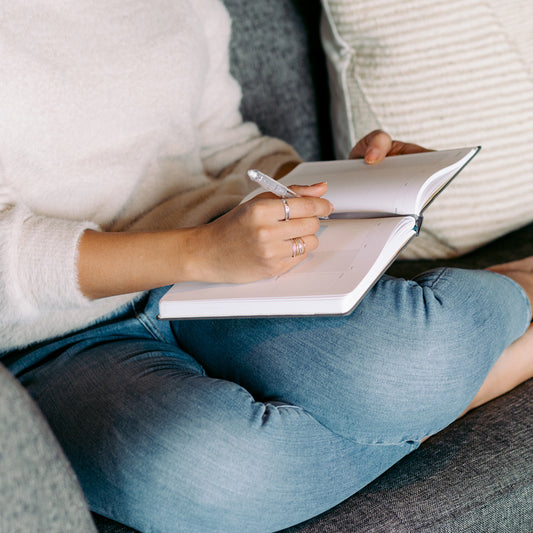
286, 207
298, 247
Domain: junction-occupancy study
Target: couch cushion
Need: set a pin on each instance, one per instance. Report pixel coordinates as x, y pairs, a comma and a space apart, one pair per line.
271, 58
442, 74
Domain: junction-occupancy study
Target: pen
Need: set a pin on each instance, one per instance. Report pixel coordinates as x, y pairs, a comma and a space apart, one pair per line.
271, 184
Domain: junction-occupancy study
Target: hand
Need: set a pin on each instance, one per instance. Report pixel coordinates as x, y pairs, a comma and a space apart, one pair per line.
377, 145
254, 241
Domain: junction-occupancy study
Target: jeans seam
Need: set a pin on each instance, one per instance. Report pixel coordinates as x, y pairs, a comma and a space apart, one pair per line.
411, 442
443, 271
148, 324
414, 442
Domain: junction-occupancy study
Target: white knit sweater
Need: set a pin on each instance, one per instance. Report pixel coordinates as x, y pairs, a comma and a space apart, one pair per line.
115, 116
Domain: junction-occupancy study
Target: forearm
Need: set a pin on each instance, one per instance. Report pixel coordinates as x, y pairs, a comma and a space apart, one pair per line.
122, 263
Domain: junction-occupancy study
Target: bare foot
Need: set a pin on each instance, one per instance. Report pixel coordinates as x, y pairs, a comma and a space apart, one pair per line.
525, 265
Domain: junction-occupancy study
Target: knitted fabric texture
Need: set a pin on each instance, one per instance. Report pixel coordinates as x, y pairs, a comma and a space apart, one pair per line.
114, 117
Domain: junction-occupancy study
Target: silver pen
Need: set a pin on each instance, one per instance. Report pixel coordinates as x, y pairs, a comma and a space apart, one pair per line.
271, 184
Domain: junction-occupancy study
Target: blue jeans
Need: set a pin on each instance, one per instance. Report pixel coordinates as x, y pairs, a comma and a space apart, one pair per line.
258, 424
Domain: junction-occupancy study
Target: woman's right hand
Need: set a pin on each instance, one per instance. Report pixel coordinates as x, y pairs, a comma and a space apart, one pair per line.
254, 241
251, 242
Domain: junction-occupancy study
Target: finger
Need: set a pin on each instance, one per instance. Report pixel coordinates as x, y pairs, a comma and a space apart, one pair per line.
401, 148
297, 247
374, 147
297, 228
304, 207
317, 189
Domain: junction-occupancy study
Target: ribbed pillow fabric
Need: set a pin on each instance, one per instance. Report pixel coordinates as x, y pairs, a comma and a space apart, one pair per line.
444, 75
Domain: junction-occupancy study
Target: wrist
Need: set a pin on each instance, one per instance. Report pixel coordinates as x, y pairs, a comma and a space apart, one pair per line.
185, 254
122, 263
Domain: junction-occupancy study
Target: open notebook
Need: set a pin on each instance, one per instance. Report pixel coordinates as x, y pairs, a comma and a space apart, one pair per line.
378, 210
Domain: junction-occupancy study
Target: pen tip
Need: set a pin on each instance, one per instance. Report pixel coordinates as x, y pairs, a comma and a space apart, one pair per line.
252, 174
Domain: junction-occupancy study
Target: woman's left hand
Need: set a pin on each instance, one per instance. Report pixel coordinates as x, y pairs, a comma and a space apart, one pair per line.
377, 145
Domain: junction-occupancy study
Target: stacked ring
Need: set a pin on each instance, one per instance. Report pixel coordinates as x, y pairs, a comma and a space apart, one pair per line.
286, 207
298, 247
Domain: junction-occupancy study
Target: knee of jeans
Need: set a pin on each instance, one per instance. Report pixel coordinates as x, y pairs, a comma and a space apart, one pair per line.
478, 310
450, 323
456, 325
468, 318
418, 389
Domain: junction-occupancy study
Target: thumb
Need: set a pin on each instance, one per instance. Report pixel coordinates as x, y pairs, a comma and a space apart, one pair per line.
317, 189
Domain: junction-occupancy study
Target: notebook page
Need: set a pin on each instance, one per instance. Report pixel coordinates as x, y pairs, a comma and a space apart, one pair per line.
393, 186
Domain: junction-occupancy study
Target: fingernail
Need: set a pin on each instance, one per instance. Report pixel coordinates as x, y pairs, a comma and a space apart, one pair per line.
372, 155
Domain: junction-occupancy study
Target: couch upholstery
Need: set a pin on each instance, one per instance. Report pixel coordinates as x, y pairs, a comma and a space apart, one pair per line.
475, 476
38, 489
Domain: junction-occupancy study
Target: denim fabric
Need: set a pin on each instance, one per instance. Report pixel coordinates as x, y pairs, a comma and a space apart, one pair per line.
257, 424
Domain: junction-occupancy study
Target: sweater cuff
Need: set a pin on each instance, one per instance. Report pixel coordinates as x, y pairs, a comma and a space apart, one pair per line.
47, 262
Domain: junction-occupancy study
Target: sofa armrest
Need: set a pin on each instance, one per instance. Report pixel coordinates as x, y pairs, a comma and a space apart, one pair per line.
38, 489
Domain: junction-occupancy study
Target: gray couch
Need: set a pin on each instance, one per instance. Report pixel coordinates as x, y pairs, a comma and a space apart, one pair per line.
477, 475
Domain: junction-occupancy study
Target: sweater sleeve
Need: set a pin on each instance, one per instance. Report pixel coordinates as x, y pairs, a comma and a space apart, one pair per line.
229, 145
37, 262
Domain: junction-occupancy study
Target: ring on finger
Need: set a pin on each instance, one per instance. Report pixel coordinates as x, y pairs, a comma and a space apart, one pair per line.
298, 247
287, 210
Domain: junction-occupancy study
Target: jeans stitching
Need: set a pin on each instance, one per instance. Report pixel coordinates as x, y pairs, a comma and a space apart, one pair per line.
148, 324
413, 442
433, 282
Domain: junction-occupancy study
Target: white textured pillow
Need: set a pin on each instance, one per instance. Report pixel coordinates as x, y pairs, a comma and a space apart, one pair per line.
442, 74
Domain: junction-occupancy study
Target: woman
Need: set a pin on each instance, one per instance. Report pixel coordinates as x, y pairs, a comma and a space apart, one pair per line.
123, 158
